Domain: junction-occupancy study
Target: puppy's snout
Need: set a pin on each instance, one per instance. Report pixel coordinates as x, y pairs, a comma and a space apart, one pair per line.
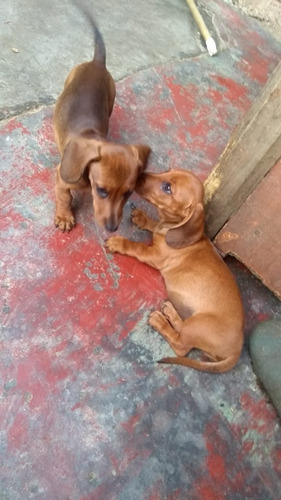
111, 225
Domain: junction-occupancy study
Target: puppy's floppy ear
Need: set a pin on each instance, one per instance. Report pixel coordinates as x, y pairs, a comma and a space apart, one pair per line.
141, 151
76, 156
191, 230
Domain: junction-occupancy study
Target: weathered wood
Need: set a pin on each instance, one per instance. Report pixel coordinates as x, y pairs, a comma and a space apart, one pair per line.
253, 234
253, 149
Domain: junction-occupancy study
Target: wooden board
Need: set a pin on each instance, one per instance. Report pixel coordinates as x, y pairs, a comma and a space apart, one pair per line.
253, 149
253, 234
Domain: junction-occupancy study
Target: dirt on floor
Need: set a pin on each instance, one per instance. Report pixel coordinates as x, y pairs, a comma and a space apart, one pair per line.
268, 12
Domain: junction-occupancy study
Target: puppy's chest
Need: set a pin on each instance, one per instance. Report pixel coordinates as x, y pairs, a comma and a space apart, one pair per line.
170, 261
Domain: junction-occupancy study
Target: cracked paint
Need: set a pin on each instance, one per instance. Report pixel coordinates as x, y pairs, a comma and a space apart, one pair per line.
86, 412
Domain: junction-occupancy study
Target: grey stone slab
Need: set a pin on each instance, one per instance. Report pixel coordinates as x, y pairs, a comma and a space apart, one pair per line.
51, 37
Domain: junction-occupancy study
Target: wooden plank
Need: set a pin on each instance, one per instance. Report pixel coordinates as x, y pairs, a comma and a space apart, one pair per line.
253, 149
253, 234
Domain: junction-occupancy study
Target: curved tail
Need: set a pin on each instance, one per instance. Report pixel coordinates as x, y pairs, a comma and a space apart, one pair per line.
100, 52
205, 366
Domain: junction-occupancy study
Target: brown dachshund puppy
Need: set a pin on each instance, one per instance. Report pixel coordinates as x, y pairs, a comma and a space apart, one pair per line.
81, 120
205, 310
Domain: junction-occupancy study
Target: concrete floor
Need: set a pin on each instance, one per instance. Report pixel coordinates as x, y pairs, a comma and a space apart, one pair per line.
86, 413
53, 39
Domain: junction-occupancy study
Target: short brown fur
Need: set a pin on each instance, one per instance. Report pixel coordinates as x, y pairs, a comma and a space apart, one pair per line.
88, 160
205, 311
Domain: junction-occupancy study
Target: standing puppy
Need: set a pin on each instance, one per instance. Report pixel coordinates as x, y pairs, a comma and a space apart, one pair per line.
88, 160
205, 310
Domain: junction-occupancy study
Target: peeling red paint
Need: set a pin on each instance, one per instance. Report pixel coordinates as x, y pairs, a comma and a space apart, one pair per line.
234, 91
38, 178
45, 134
130, 424
11, 219
84, 402
155, 494
12, 125
257, 410
176, 495
277, 461
18, 432
224, 471
76, 407
262, 317
216, 467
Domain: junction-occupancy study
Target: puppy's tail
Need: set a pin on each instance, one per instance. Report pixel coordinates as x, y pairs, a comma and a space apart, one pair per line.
100, 52
205, 366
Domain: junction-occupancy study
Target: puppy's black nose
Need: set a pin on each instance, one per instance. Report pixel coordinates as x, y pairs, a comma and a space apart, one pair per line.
111, 226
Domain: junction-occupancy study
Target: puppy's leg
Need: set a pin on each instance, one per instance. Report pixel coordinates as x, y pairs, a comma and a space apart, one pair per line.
147, 254
172, 315
142, 221
64, 219
158, 321
199, 331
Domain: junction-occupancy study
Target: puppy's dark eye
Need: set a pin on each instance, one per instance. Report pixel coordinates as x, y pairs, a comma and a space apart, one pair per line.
102, 192
166, 187
127, 194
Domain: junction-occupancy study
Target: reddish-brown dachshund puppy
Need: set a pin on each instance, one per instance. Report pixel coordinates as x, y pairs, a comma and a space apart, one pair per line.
88, 160
205, 310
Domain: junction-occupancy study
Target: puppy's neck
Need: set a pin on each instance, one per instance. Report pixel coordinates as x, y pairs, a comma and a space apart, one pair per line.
163, 226
92, 133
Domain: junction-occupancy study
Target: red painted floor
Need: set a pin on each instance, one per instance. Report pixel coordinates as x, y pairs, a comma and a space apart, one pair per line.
86, 412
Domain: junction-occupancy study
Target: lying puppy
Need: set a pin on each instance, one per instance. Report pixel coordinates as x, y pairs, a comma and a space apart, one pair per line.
205, 310
81, 120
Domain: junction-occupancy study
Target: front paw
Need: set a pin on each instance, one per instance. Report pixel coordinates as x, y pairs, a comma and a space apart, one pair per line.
139, 218
65, 223
115, 244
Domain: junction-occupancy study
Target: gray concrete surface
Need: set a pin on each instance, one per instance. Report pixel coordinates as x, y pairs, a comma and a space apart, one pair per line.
86, 412
51, 37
